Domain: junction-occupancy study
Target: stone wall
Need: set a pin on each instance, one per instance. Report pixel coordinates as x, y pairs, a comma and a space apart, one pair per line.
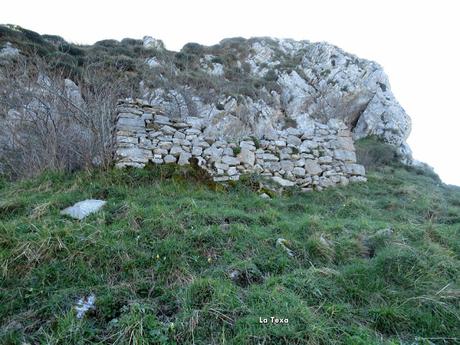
319, 157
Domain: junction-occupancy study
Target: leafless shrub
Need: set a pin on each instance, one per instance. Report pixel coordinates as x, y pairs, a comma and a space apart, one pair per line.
48, 123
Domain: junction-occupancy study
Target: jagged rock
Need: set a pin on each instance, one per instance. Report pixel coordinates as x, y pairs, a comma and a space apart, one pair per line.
168, 130
327, 85
153, 62
293, 140
325, 159
385, 118
214, 152
213, 68
343, 143
221, 166
73, 92
221, 178
152, 43
162, 120
197, 151
269, 157
8, 51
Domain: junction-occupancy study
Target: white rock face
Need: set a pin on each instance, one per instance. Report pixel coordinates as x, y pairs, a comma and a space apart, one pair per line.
275, 84
73, 92
153, 62
213, 68
83, 208
385, 118
8, 51
152, 43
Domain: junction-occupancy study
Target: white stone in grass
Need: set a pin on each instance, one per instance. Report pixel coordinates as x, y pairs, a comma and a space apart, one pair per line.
281, 242
84, 304
83, 208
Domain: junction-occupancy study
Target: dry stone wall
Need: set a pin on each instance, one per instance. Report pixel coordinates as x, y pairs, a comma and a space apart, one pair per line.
319, 157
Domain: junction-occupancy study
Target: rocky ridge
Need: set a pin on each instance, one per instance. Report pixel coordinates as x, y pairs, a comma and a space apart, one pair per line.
282, 83
258, 88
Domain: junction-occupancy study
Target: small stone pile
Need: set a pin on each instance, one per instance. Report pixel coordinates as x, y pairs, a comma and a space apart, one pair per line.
317, 158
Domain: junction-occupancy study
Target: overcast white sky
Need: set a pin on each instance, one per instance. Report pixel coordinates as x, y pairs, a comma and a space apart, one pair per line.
416, 42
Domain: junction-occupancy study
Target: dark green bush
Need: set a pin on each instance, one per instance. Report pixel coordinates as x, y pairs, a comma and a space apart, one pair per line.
236, 150
70, 49
107, 43
425, 171
131, 42
65, 63
54, 39
6, 32
30, 48
233, 73
271, 75
184, 60
32, 36
197, 78
233, 42
373, 153
193, 48
200, 293
217, 59
122, 50
124, 63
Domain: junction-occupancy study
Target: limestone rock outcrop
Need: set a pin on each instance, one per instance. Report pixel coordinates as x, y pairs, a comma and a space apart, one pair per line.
8, 51
293, 98
265, 85
152, 43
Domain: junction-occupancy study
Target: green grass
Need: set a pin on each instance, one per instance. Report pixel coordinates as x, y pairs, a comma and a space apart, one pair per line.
160, 255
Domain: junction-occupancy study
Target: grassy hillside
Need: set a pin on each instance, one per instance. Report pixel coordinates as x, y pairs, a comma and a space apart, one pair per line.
173, 260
